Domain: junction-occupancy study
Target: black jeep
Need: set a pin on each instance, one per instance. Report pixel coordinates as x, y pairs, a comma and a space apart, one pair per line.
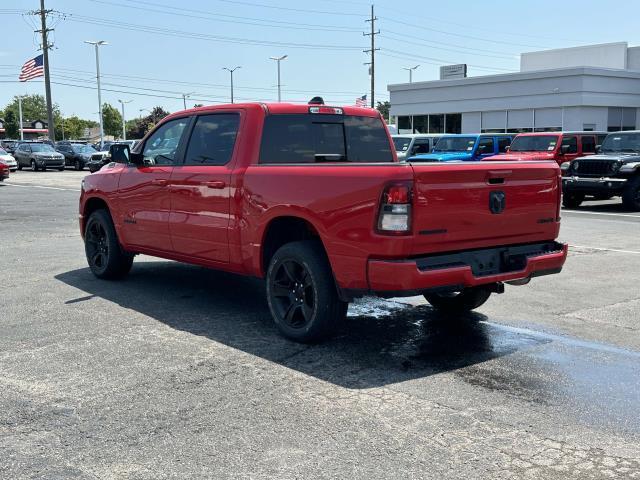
613, 172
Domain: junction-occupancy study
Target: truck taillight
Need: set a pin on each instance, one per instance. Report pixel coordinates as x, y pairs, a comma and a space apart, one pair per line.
559, 198
395, 209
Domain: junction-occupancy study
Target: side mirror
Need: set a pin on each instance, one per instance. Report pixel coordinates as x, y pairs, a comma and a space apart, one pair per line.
564, 149
507, 149
119, 153
598, 148
482, 149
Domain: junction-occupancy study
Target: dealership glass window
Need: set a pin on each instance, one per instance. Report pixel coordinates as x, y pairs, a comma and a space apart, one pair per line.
621, 119
453, 123
492, 130
404, 125
421, 124
547, 129
436, 123
519, 130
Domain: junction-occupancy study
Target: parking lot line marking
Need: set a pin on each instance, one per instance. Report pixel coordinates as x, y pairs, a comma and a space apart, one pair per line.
605, 249
602, 213
43, 186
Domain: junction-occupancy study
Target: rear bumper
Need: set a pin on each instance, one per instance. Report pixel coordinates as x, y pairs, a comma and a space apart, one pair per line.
465, 269
593, 185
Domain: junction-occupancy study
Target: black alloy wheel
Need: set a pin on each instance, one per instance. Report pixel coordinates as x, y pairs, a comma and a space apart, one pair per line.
293, 294
105, 256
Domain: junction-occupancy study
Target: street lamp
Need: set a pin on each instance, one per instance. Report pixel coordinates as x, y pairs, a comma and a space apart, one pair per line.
279, 59
410, 69
184, 98
96, 44
124, 132
231, 70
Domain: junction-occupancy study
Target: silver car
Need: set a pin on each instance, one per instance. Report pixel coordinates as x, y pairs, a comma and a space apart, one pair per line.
8, 160
411, 144
38, 156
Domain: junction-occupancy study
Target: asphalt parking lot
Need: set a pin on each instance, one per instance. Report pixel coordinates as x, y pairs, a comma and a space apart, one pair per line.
178, 372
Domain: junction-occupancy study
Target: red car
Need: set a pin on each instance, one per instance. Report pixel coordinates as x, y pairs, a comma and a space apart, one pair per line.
313, 199
559, 146
4, 171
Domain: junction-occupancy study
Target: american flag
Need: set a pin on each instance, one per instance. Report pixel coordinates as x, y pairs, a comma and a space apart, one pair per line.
32, 69
361, 101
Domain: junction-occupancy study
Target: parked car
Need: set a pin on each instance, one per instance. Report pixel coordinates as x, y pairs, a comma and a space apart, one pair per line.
318, 205
76, 155
8, 160
4, 171
8, 145
414, 144
465, 147
614, 172
559, 146
38, 156
98, 160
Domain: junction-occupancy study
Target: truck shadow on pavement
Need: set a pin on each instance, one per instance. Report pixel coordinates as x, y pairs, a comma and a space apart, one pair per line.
369, 350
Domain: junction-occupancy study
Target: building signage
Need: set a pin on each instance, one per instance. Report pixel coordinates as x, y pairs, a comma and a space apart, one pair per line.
448, 72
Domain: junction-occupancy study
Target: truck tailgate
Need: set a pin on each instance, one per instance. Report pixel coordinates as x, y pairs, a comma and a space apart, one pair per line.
468, 205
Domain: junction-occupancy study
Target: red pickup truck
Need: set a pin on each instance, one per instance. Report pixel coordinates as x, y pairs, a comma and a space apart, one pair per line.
313, 199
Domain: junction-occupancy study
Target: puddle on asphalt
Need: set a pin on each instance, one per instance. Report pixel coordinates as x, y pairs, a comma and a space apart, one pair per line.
594, 382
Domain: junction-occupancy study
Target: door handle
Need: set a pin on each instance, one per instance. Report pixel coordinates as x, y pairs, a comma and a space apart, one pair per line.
159, 182
217, 184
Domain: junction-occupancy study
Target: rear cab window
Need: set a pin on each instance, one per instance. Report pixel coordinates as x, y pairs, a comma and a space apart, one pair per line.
308, 138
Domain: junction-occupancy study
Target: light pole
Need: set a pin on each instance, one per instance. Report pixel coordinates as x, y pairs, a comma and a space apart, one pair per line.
20, 115
279, 59
124, 132
96, 44
410, 69
231, 70
184, 99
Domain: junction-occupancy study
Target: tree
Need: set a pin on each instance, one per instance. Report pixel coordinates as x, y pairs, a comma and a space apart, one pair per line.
111, 120
34, 107
143, 125
383, 108
12, 130
74, 127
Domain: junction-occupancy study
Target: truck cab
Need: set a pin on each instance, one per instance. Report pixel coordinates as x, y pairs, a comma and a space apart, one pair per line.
560, 147
465, 147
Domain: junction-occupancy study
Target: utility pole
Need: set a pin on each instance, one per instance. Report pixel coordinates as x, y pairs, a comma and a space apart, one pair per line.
184, 99
231, 70
410, 69
372, 50
97, 44
20, 115
279, 59
47, 78
124, 132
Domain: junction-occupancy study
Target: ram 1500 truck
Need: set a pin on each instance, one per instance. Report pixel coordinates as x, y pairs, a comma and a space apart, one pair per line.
465, 148
313, 199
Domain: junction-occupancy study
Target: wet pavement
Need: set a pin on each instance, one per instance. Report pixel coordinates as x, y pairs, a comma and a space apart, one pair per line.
178, 372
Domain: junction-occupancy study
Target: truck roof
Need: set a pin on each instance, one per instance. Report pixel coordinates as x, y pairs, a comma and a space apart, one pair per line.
572, 132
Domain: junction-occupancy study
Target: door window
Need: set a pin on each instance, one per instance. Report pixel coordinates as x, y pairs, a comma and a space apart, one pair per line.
421, 146
162, 145
588, 144
213, 139
503, 143
572, 142
487, 143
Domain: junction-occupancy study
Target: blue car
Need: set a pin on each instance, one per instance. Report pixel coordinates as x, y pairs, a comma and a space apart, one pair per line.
466, 148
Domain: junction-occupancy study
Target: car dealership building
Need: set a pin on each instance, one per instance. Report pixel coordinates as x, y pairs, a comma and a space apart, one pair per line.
595, 88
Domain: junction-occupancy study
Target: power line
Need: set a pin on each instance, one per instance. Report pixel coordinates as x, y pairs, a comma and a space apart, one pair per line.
437, 61
237, 19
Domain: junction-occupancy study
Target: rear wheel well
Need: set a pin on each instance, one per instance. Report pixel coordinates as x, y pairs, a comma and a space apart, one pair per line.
285, 230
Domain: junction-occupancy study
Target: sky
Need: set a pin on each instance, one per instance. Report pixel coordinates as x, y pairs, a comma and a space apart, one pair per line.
159, 49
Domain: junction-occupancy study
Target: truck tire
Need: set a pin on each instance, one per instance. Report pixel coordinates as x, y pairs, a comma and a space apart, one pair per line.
302, 294
572, 200
459, 302
105, 256
631, 194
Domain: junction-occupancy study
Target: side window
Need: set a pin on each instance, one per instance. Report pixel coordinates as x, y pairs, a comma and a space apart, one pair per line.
572, 142
588, 144
213, 139
503, 143
160, 148
600, 139
421, 146
485, 146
